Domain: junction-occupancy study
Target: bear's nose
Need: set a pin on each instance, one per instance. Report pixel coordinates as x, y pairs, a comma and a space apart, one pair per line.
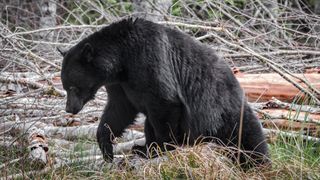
68, 109
71, 110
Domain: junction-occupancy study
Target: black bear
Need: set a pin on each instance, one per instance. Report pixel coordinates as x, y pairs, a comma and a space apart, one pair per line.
185, 90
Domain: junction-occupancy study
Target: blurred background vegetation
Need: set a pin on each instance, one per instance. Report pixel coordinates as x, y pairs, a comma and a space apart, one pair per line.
28, 13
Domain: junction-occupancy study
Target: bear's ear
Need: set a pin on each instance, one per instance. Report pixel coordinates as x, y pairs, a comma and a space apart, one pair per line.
87, 52
63, 53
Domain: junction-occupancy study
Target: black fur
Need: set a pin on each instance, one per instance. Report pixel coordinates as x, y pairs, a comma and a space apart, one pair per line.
182, 87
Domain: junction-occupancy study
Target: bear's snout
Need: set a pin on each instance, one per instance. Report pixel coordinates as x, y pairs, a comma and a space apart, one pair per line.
73, 106
72, 110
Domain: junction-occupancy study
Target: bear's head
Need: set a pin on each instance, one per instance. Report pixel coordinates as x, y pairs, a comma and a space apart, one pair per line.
80, 76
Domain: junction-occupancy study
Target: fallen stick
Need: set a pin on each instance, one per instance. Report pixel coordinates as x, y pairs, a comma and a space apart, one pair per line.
27, 112
42, 100
25, 106
82, 132
34, 85
118, 148
8, 143
284, 124
274, 102
10, 162
125, 147
304, 117
72, 133
275, 53
290, 134
13, 98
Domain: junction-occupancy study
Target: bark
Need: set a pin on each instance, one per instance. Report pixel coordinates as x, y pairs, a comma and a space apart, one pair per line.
47, 17
317, 11
317, 7
48, 10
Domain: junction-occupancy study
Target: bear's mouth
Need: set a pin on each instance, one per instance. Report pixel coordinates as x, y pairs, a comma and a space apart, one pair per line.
74, 110
74, 107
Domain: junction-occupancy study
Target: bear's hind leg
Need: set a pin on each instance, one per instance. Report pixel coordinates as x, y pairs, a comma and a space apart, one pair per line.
161, 127
253, 141
150, 137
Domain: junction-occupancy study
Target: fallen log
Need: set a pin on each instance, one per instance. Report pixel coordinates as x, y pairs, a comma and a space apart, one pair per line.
35, 138
293, 120
283, 124
272, 132
34, 85
291, 115
38, 148
275, 103
262, 87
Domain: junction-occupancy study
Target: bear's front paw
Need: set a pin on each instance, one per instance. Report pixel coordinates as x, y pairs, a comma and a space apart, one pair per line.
140, 150
145, 152
107, 152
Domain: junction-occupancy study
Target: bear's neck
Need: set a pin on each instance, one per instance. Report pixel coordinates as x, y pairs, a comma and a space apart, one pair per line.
122, 44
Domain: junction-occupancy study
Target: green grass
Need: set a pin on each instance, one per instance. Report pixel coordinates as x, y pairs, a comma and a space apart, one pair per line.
295, 158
